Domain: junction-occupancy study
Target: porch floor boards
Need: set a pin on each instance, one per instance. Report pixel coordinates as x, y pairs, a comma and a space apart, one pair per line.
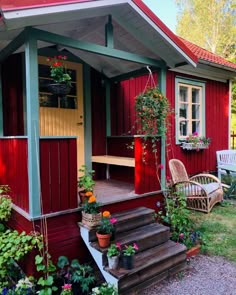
113, 191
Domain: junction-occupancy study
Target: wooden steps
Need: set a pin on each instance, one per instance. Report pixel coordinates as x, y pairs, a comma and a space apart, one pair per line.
157, 257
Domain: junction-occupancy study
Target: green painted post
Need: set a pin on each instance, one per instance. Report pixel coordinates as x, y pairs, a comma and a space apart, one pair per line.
87, 116
162, 87
108, 108
109, 33
32, 106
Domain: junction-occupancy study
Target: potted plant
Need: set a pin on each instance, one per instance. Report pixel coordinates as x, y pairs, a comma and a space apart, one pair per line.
195, 142
60, 75
86, 183
105, 289
104, 229
90, 212
128, 255
113, 254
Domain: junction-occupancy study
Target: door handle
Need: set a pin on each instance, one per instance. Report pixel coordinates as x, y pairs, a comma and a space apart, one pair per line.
80, 123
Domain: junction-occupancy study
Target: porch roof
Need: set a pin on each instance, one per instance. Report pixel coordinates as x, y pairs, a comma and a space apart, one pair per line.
136, 30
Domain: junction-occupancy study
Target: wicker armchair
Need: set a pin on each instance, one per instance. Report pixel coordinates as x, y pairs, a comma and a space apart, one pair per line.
203, 191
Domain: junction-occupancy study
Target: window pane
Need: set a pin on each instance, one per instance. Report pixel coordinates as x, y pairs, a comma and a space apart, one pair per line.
195, 111
195, 95
183, 128
47, 100
183, 110
183, 93
196, 127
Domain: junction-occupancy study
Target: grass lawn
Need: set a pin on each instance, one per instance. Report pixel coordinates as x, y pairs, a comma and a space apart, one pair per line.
218, 229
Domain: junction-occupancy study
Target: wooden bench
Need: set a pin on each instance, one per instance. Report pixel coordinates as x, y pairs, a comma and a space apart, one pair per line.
113, 160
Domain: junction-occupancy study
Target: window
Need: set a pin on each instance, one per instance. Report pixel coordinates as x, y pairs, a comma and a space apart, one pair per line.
190, 108
47, 99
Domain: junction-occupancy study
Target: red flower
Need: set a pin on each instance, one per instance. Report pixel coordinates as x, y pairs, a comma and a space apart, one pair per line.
67, 286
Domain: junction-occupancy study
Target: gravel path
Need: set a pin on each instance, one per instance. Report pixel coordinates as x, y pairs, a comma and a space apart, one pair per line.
205, 275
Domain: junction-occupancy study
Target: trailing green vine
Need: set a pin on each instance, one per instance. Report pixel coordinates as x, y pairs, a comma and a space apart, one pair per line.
152, 109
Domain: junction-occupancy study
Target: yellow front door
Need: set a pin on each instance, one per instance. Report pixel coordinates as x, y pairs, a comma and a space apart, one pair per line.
62, 115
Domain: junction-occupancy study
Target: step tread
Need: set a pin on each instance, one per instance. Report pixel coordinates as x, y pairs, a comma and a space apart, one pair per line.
137, 234
150, 257
131, 213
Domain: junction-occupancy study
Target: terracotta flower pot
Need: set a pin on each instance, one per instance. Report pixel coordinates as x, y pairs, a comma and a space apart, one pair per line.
103, 240
193, 251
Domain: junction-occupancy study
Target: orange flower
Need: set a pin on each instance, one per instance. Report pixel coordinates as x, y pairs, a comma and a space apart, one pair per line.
88, 194
106, 214
92, 199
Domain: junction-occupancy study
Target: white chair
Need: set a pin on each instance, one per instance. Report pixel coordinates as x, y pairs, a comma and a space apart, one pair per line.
225, 157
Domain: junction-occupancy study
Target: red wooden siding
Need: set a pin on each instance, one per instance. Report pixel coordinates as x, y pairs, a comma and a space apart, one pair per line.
122, 103
217, 104
98, 114
12, 90
13, 169
147, 169
58, 170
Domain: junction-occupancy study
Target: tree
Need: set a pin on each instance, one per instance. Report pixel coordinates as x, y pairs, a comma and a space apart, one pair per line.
210, 24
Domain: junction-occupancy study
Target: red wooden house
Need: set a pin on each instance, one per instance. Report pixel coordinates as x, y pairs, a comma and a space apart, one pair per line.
45, 138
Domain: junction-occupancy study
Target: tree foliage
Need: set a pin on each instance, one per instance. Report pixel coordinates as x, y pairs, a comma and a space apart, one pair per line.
210, 24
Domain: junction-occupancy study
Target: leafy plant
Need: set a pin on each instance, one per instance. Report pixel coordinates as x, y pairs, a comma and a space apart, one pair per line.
46, 281
58, 70
113, 250
75, 273
106, 225
14, 247
130, 249
91, 206
178, 217
105, 289
5, 203
86, 180
152, 108
195, 139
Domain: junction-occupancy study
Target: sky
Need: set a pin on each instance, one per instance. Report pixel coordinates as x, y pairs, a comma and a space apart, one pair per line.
166, 10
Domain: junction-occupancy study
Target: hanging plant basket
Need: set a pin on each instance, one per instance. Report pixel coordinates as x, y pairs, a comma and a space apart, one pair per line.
59, 88
194, 146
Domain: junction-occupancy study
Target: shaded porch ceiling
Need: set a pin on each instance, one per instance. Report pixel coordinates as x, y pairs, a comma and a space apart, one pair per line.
133, 32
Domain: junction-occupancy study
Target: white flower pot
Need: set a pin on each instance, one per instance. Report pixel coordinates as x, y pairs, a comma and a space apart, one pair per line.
113, 262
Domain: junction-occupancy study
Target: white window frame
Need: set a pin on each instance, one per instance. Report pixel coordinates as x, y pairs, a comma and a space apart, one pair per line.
189, 84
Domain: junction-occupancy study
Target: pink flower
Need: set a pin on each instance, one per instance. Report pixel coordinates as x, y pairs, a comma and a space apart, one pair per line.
66, 286
135, 246
118, 245
161, 166
113, 220
181, 236
168, 178
195, 133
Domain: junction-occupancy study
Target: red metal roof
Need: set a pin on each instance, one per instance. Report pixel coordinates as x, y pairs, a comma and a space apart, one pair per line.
207, 55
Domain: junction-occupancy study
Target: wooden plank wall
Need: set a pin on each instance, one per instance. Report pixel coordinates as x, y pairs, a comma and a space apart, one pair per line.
217, 105
122, 104
58, 170
14, 169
